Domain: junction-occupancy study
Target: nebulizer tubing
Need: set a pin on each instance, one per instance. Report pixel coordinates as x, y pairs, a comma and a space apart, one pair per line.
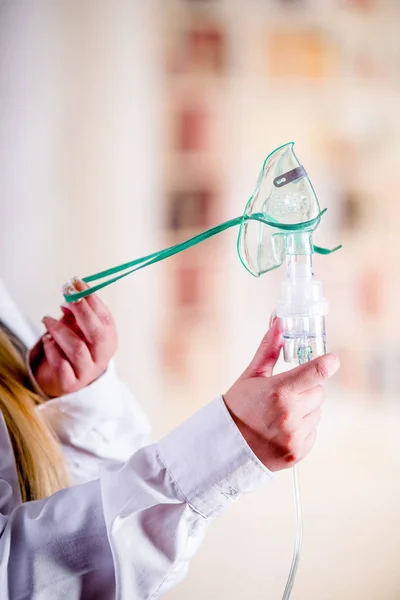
302, 309
299, 536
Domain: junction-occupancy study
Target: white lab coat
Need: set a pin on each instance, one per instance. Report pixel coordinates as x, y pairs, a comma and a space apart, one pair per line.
130, 527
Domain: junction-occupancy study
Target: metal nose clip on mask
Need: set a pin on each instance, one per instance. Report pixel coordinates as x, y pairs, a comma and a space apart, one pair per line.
277, 226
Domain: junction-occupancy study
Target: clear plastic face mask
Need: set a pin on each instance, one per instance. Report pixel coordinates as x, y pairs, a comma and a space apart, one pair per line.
284, 196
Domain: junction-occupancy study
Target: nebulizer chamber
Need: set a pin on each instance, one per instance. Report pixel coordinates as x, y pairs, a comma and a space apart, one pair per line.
301, 305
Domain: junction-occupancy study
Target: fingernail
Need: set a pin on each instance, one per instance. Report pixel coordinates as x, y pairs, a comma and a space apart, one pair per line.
70, 288
78, 284
276, 326
47, 338
49, 320
274, 321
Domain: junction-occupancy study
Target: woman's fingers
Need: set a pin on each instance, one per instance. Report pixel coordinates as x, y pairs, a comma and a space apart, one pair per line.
310, 374
311, 400
96, 323
56, 359
311, 421
94, 301
69, 320
74, 348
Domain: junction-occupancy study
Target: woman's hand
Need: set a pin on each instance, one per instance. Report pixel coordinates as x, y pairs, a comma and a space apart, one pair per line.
76, 349
278, 415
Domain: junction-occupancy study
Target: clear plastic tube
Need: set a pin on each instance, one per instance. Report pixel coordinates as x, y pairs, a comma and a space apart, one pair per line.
299, 522
299, 536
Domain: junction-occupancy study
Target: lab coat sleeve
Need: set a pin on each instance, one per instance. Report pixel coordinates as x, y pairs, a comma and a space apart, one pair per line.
131, 533
103, 421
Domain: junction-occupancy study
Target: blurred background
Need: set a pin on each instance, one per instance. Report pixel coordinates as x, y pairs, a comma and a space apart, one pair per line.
127, 126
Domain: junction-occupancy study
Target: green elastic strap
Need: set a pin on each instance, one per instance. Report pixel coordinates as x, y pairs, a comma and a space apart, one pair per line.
319, 250
145, 261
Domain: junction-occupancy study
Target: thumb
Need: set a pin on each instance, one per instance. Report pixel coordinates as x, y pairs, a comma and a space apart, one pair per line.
267, 354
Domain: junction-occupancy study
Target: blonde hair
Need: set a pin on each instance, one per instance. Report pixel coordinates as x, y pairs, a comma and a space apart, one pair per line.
38, 457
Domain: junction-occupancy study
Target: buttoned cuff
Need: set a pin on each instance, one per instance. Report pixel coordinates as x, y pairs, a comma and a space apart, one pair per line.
210, 461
